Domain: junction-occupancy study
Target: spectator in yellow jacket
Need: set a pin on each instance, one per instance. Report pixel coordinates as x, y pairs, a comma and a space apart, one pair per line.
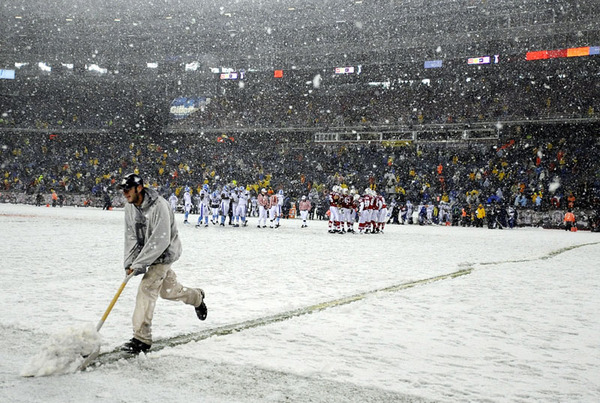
479, 216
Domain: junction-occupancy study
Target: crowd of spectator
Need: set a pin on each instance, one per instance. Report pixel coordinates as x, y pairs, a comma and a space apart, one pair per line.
404, 102
539, 168
319, 100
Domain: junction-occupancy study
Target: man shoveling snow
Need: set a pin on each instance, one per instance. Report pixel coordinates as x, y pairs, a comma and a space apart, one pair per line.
151, 245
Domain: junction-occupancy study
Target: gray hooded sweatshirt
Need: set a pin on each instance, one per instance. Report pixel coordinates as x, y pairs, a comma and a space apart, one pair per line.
151, 235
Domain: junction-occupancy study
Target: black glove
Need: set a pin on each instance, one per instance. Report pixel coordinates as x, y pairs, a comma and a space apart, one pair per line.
140, 270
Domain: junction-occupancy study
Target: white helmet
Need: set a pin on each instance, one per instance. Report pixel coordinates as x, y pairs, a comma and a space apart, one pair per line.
303, 197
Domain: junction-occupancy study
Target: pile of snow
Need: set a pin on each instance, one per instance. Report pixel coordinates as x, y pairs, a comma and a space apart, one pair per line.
63, 353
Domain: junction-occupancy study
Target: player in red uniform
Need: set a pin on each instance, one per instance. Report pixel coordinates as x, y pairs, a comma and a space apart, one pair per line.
346, 202
381, 208
364, 211
334, 211
264, 205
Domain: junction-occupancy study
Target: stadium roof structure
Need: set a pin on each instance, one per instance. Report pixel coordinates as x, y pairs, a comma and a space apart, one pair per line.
271, 34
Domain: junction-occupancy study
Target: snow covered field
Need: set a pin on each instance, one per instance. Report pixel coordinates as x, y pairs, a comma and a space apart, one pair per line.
518, 321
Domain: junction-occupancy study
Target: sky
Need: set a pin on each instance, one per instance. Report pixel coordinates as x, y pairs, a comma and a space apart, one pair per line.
417, 314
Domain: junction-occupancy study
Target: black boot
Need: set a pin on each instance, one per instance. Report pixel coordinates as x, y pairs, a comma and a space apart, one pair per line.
135, 346
201, 310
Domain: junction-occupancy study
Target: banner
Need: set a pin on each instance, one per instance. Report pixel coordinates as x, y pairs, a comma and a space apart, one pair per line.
183, 107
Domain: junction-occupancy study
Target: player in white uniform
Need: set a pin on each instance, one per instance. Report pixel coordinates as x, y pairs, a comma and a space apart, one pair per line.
253, 206
407, 217
444, 214
242, 207
280, 200
233, 196
173, 201
430, 208
274, 210
187, 204
203, 206
215, 205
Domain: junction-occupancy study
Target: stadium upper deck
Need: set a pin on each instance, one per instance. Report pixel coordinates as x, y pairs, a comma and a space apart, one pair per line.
72, 65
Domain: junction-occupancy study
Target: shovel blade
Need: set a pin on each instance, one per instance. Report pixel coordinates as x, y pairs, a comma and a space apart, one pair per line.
89, 359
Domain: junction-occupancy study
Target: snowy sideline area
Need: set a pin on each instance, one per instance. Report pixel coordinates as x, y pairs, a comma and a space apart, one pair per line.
519, 324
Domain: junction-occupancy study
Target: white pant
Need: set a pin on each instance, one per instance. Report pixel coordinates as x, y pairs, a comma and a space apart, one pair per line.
274, 213
303, 214
365, 216
158, 280
262, 215
382, 217
203, 211
241, 211
344, 214
225, 207
334, 214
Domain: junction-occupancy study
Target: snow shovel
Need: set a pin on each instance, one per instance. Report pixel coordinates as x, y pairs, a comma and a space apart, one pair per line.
96, 352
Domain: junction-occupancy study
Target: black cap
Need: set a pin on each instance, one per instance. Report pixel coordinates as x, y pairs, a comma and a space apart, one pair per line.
130, 180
